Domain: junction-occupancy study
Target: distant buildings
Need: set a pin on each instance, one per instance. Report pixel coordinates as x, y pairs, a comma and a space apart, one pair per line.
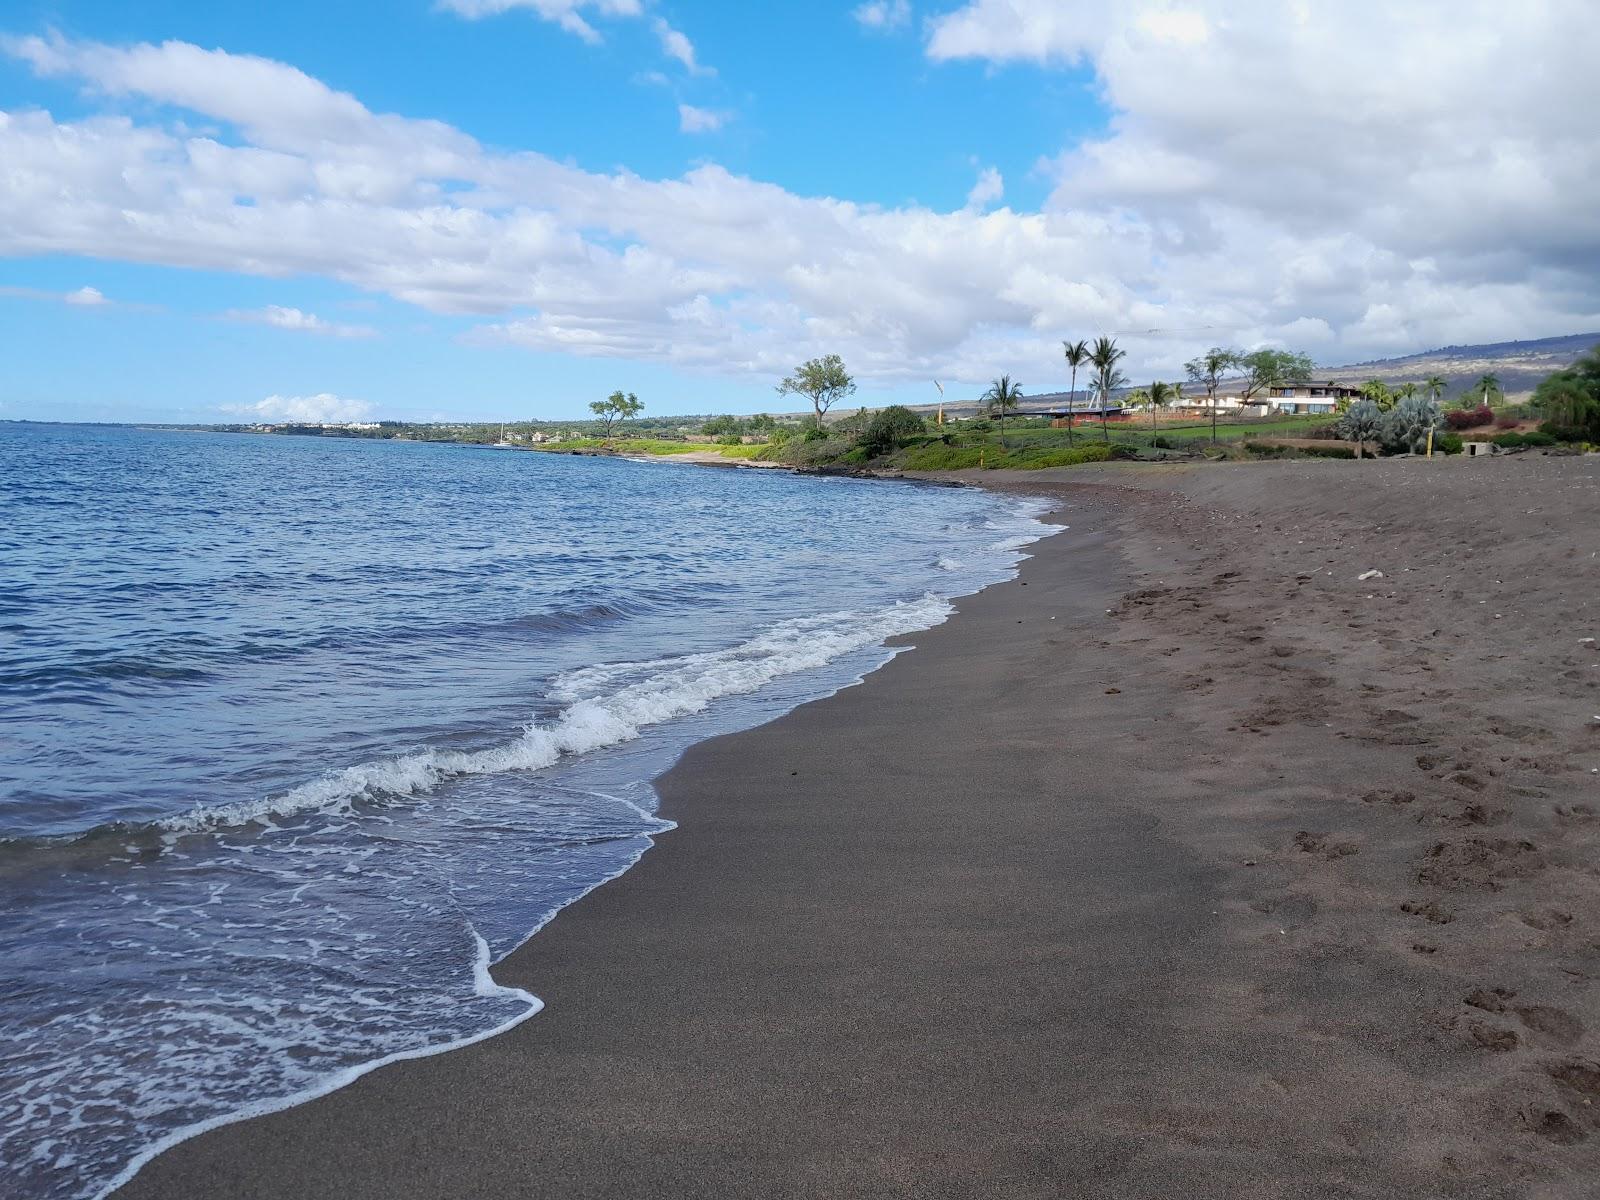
1298, 398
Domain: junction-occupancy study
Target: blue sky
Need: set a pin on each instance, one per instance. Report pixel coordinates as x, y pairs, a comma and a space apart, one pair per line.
682, 199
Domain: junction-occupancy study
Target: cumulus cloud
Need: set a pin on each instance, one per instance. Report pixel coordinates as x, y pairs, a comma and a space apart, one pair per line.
86, 296
1319, 203
700, 120
883, 14
322, 409
297, 321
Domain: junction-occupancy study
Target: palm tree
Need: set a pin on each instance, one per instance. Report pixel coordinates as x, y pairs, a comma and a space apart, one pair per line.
1406, 391
1489, 382
1002, 395
1435, 386
1379, 392
1159, 396
1104, 358
1077, 354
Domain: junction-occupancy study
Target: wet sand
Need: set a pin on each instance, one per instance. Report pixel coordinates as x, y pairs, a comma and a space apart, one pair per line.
1186, 865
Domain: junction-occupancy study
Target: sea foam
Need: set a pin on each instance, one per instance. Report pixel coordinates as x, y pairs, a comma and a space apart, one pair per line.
604, 705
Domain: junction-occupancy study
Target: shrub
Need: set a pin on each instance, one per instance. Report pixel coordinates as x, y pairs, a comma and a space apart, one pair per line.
1329, 451
762, 451
890, 429
1563, 433
1324, 432
814, 452
939, 457
1362, 422
1099, 452
1538, 439
1506, 421
730, 439
936, 456
1470, 418
1268, 450
1406, 425
1450, 443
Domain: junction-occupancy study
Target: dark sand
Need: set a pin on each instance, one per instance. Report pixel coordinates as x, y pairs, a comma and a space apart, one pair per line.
1265, 883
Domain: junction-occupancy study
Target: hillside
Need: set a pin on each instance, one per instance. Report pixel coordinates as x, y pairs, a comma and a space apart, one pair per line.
1519, 365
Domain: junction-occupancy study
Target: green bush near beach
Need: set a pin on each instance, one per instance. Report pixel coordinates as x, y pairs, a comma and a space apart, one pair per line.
936, 456
762, 451
624, 446
1273, 450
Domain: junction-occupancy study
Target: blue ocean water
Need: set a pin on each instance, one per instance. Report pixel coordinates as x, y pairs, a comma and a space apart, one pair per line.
300, 735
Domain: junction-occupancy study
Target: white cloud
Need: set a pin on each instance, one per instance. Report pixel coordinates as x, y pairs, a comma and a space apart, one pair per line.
322, 409
989, 188
700, 120
572, 15
84, 297
883, 14
1318, 203
1004, 30
568, 14
299, 322
675, 45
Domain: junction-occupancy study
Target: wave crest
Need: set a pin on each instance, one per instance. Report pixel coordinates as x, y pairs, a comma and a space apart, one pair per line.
605, 705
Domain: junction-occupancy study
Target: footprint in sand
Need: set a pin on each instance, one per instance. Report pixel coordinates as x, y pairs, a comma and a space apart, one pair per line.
1324, 845
1480, 863
1429, 910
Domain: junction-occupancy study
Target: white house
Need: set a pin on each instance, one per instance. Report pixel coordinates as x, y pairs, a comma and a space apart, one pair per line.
1290, 398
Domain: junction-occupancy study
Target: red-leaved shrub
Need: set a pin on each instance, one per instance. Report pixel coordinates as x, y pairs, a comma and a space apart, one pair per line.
1469, 418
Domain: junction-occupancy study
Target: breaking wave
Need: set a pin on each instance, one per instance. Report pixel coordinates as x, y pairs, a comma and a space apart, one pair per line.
604, 705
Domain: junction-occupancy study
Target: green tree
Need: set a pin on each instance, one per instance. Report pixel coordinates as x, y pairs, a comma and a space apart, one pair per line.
1158, 396
1267, 369
616, 407
1361, 423
891, 428
1108, 377
1207, 371
1077, 353
720, 426
1435, 386
1569, 400
823, 381
1003, 395
1406, 391
762, 424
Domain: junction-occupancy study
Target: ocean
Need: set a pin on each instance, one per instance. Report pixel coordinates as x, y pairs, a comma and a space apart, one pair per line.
301, 735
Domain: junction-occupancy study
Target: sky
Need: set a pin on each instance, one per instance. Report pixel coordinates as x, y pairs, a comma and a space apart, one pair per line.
503, 209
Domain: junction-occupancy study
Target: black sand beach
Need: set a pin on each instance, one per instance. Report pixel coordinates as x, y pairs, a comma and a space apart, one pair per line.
1186, 865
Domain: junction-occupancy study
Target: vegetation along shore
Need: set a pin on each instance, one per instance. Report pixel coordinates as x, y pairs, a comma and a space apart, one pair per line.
1230, 404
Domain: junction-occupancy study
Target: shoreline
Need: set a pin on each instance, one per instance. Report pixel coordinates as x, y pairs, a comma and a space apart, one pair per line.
1126, 903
